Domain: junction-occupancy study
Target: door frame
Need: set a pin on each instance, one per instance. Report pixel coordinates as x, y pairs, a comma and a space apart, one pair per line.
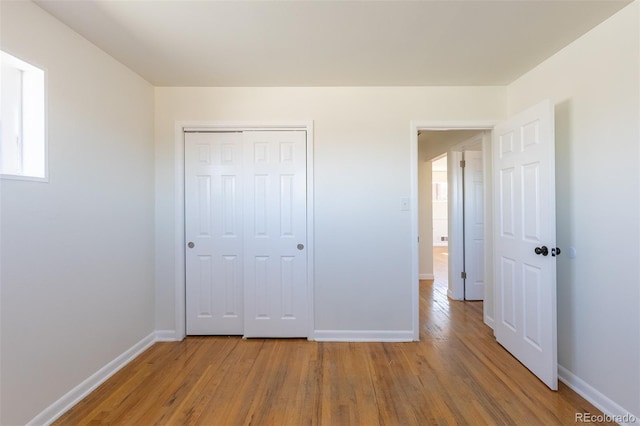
414, 127
179, 216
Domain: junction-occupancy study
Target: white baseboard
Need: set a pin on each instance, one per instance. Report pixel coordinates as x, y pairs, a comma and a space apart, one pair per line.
62, 405
425, 276
167, 336
616, 413
363, 336
489, 321
451, 296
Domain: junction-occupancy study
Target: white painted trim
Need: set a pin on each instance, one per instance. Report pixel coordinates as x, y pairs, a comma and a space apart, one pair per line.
26, 177
414, 127
212, 126
487, 176
310, 231
488, 321
453, 125
451, 296
426, 277
179, 255
455, 261
415, 232
364, 336
75, 395
600, 401
167, 336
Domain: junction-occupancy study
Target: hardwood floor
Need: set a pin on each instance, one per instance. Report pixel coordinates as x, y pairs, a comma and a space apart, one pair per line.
456, 374
440, 266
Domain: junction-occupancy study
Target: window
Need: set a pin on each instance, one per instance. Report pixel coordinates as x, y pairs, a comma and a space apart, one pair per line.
23, 150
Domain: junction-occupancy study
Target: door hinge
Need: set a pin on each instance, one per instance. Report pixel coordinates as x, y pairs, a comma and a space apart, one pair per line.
463, 275
463, 163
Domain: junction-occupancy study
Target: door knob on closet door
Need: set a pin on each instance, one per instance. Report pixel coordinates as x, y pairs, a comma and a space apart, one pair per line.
300, 246
190, 244
542, 250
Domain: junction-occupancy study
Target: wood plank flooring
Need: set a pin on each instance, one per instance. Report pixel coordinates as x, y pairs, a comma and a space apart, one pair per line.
456, 374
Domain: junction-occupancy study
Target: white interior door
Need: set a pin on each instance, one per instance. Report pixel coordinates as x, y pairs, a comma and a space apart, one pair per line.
275, 235
245, 226
525, 240
473, 226
214, 231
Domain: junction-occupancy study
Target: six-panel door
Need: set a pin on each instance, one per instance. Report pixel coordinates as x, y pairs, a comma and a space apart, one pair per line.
524, 209
245, 215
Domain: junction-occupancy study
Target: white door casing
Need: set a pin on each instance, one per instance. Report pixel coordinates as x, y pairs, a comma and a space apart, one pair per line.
245, 213
524, 219
473, 226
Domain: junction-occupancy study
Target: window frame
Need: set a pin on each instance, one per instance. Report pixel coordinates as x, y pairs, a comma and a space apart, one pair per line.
26, 67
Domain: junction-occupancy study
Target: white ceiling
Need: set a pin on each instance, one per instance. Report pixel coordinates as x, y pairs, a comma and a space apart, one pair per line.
331, 43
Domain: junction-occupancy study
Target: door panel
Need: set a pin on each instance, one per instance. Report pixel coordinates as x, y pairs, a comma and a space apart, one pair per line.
213, 223
275, 202
524, 179
474, 225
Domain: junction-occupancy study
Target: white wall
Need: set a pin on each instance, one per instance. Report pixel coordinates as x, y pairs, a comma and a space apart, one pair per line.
595, 85
362, 169
440, 212
425, 216
77, 252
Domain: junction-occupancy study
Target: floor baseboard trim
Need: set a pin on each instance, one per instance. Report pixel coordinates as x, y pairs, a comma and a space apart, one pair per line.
363, 336
425, 276
489, 321
62, 405
611, 409
166, 336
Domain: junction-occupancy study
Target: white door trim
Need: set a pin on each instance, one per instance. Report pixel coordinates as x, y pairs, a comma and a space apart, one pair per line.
180, 242
414, 126
455, 216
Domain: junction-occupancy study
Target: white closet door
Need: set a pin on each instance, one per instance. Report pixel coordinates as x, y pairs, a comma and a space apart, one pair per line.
246, 227
214, 232
275, 230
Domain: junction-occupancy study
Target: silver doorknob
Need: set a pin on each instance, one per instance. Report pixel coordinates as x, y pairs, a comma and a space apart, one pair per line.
191, 245
300, 246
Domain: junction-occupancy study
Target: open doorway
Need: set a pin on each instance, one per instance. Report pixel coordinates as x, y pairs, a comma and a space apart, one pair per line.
457, 144
440, 206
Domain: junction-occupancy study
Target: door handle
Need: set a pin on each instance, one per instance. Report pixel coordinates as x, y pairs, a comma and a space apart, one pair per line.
542, 250
191, 245
555, 252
